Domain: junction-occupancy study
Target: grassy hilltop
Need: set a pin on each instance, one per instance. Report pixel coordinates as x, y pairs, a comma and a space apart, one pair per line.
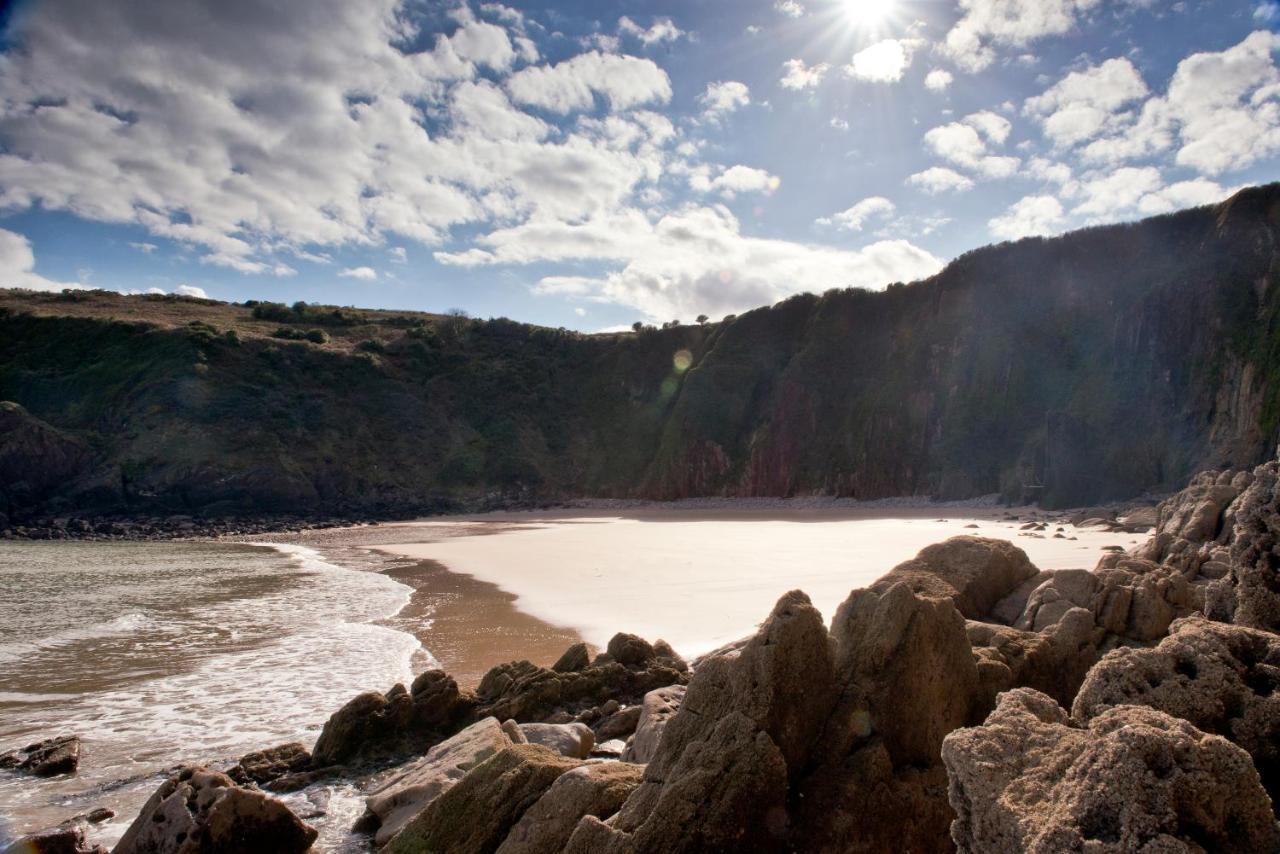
1075, 369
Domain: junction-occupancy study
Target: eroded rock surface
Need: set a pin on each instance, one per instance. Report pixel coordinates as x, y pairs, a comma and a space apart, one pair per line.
1136, 779
591, 790
202, 812
973, 572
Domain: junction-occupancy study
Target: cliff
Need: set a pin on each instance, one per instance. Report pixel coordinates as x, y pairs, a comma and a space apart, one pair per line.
1083, 368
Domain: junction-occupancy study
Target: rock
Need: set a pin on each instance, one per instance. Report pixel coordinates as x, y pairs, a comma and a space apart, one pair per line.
575, 658
613, 749
630, 650
573, 740
513, 731
201, 812
973, 572
655, 712
751, 716
477, 813
1135, 779
68, 838
420, 782
1054, 661
263, 766
620, 724
375, 725
1249, 595
1223, 679
99, 815
591, 790
527, 693
48, 758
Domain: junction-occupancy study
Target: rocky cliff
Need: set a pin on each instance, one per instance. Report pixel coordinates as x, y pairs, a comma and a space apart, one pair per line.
1070, 370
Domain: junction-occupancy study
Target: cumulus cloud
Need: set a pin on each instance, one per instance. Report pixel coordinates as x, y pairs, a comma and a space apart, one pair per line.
697, 261
1085, 103
883, 62
797, 75
790, 8
939, 179
367, 274
626, 81
984, 24
661, 30
938, 80
190, 291
18, 263
1031, 216
967, 143
724, 97
858, 215
744, 179
1220, 112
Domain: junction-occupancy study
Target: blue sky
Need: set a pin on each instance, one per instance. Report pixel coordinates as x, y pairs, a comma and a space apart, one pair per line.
590, 164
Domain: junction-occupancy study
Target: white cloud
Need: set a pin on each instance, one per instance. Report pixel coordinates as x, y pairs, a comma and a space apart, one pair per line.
857, 216
18, 262
1029, 217
581, 312
965, 143
145, 248
661, 30
939, 179
1085, 103
800, 76
1017, 23
744, 179
190, 291
938, 80
724, 97
883, 62
1221, 113
1116, 193
790, 8
1184, 194
367, 274
839, 124
626, 81
399, 255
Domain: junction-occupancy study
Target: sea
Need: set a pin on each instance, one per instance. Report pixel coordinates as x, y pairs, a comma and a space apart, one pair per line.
162, 654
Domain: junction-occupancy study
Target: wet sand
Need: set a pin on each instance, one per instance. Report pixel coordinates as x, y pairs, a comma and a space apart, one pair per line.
470, 625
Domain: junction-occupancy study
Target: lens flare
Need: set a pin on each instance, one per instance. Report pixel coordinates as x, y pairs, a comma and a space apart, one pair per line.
682, 360
867, 12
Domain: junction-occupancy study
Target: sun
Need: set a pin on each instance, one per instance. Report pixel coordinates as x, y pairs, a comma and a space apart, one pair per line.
868, 12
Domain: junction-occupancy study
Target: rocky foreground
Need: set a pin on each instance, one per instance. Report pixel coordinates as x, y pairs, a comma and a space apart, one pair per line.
965, 701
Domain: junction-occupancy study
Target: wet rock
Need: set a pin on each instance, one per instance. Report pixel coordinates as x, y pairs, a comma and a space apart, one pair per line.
263, 766
68, 838
630, 650
420, 782
574, 740
974, 572
655, 712
201, 812
48, 758
376, 725
477, 814
591, 790
1135, 780
1223, 679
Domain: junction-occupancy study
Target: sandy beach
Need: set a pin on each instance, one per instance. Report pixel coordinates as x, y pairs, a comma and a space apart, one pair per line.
495, 587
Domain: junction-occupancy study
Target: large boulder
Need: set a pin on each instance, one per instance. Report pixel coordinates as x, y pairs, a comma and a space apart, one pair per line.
48, 758
656, 711
973, 572
264, 766
751, 718
592, 790
202, 812
1135, 780
1054, 661
574, 740
1249, 594
907, 677
476, 814
376, 725
66, 838
1224, 679
420, 782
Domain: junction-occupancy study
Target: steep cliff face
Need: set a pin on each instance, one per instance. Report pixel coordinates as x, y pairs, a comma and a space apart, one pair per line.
1071, 370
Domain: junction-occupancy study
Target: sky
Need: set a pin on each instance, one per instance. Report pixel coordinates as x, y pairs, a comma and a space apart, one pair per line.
591, 164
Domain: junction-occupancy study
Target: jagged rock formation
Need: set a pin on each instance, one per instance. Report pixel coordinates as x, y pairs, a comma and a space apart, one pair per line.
48, 758
589, 790
204, 812
1073, 370
1134, 780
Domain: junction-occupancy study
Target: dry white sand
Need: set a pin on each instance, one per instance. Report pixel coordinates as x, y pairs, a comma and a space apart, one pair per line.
700, 580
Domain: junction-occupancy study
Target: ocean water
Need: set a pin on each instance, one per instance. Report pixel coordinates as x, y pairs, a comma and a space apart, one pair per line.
159, 654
